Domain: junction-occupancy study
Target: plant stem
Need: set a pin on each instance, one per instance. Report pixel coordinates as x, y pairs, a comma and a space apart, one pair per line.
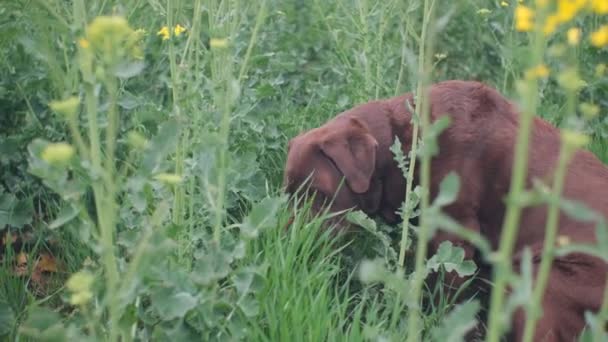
422, 111
502, 268
258, 23
363, 13
104, 202
111, 208
178, 204
549, 243
601, 316
221, 69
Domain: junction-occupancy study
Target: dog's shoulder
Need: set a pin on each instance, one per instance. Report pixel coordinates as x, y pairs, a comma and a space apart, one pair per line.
471, 101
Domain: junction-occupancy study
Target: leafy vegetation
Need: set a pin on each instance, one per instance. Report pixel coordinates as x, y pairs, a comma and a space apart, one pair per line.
142, 146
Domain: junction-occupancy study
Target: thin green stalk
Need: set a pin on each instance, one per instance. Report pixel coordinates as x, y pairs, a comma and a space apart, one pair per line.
258, 23
103, 188
598, 331
193, 37
552, 217
91, 107
404, 48
112, 129
549, 243
363, 13
111, 208
408, 192
422, 110
502, 268
178, 204
104, 215
221, 74
221, 183
380, 40
414, 148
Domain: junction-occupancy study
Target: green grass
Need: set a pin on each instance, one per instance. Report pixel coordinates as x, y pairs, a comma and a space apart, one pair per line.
208, 257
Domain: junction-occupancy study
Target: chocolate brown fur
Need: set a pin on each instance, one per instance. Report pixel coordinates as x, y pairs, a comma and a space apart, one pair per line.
479, 146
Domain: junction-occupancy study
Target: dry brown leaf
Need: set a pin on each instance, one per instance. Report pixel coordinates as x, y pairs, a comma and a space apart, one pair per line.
21, 266
9, 238
46, 263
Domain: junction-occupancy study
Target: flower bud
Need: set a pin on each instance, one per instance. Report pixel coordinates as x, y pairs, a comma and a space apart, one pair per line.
57, 153
67, 107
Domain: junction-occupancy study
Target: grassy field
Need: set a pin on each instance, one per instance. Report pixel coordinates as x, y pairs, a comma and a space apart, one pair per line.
142, 146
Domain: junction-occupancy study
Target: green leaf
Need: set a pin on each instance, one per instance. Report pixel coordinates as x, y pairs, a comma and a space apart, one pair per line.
359, 218
7, 318
448, 190
170, 305
174, 332
263, 215
43, 324
249, 305
457, 323
452, 259
595, 329
248, 280
429, 145
160, 146
578, 210
212, 266
399, 157
129, 69
14, 212
371, 271
66, 214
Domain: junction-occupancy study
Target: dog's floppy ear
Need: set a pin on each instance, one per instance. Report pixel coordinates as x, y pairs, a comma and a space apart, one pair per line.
353, 150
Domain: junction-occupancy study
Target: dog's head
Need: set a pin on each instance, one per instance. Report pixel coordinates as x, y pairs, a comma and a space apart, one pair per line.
338, 162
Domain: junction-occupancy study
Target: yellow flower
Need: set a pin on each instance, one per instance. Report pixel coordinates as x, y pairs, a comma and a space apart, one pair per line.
551, 24
567, 9
599, 6
168, 178
67, 107
599, 38
539, 71
178, 30
218, 42
504, 4
105, 32
57, 153
574, 139
574, 36
523, 18
84, 43
164, 33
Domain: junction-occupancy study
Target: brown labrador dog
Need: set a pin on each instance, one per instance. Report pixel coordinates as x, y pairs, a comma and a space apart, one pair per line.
479, 146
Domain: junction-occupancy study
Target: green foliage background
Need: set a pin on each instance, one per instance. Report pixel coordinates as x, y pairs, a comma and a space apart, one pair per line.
310, 60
